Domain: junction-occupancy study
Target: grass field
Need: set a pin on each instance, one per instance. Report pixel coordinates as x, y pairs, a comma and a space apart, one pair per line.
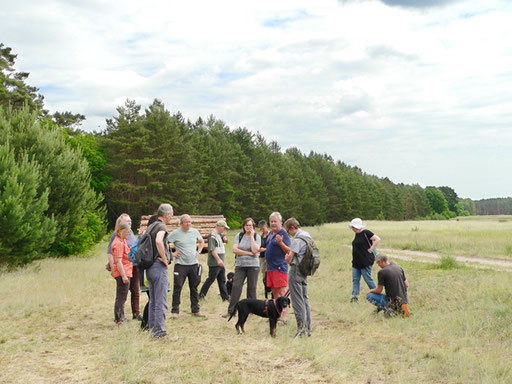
56, 322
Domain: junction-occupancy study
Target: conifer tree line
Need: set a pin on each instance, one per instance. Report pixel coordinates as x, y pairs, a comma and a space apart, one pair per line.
205, 167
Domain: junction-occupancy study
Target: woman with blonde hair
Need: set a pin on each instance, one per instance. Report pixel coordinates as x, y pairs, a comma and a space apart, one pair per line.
122, 269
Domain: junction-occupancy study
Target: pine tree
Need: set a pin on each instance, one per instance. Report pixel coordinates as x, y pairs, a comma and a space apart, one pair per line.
26, 228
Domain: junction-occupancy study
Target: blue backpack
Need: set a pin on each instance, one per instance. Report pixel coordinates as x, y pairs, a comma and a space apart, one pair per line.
133, 250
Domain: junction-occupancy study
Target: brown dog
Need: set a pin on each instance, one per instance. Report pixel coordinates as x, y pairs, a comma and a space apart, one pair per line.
264, 308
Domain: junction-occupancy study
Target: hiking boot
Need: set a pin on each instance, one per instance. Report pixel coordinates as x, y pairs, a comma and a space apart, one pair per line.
389, 312
300, 333
377, 310
354, 299
137, 317
197, 314
159, 335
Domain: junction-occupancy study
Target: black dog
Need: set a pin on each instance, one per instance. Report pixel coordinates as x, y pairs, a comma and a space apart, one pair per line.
264, 308
229, 282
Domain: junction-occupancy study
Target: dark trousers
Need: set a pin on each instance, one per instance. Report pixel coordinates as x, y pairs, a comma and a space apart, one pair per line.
121, 295
135, 291
241, 273
219, 274
181, 272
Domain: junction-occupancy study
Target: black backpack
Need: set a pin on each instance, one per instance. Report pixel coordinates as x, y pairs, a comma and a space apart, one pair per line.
311, 260
144, 255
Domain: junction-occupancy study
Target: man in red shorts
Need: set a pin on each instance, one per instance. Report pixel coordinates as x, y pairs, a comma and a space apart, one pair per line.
278, 245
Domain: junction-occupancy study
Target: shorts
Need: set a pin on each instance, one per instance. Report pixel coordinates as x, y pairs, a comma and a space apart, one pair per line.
277, 279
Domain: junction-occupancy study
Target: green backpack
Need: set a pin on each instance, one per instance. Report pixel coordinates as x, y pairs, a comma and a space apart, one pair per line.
311, 260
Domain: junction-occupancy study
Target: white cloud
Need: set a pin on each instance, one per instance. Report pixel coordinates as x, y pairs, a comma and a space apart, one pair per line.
418, 94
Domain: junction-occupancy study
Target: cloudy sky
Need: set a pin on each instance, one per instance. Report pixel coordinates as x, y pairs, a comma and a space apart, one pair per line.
417, 91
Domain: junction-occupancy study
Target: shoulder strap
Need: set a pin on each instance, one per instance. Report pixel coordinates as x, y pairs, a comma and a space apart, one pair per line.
370, 244
303, 238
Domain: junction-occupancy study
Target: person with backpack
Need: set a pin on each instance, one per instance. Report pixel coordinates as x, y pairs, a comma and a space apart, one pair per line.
135, 280
216, 255
297, 279
363, 249
122, 269
157, 273
246, 247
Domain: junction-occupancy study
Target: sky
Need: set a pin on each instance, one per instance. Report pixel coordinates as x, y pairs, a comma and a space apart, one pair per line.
416, 91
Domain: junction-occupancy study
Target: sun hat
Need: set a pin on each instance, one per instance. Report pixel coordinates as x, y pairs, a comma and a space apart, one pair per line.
356, 223
222, 223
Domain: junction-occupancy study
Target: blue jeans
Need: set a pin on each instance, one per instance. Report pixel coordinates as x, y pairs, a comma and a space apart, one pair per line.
356, 279
378, 299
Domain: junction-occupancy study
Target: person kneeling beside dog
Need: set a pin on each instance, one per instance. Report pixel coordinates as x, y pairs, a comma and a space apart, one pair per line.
392, 278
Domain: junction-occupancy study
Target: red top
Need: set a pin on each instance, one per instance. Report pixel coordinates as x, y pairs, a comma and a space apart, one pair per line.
120, 251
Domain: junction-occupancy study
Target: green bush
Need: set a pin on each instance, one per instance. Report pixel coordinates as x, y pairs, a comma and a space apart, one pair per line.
26, 229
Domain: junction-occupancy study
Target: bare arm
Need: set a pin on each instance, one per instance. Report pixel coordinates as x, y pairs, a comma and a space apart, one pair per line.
289, 257
377, 290
406, 283
241, 252
161, 248
280, 242
200, 246
375, 241
120, 268
255, 247
110, 262
217, 258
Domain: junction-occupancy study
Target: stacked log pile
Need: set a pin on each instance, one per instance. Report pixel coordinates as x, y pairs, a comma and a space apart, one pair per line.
204, 224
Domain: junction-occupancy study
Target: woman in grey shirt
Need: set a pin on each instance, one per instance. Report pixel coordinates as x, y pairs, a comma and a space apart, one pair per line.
247, 250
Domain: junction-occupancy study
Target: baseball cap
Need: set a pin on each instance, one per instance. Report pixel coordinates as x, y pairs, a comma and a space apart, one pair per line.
222, 223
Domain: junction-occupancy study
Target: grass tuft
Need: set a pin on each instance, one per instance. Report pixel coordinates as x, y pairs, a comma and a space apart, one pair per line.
448, 262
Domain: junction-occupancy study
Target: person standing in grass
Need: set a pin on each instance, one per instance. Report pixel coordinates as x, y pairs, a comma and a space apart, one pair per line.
364, 243
216, 255
392, 278
122, 269
157, 274
263, 226
297, 282
189, 243
134, 281
278, 246
246, 247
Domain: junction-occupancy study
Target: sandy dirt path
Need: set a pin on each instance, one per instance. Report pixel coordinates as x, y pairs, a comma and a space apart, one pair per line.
431, 257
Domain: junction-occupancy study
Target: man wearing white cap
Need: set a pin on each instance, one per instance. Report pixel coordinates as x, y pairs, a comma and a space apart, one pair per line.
216, 254
363, 257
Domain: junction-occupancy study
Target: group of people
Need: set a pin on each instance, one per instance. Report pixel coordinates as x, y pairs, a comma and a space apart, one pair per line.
274, 253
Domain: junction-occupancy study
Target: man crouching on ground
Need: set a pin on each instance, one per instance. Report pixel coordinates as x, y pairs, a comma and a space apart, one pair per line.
392, 278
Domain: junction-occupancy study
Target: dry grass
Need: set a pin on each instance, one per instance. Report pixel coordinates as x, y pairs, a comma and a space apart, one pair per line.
56, 325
